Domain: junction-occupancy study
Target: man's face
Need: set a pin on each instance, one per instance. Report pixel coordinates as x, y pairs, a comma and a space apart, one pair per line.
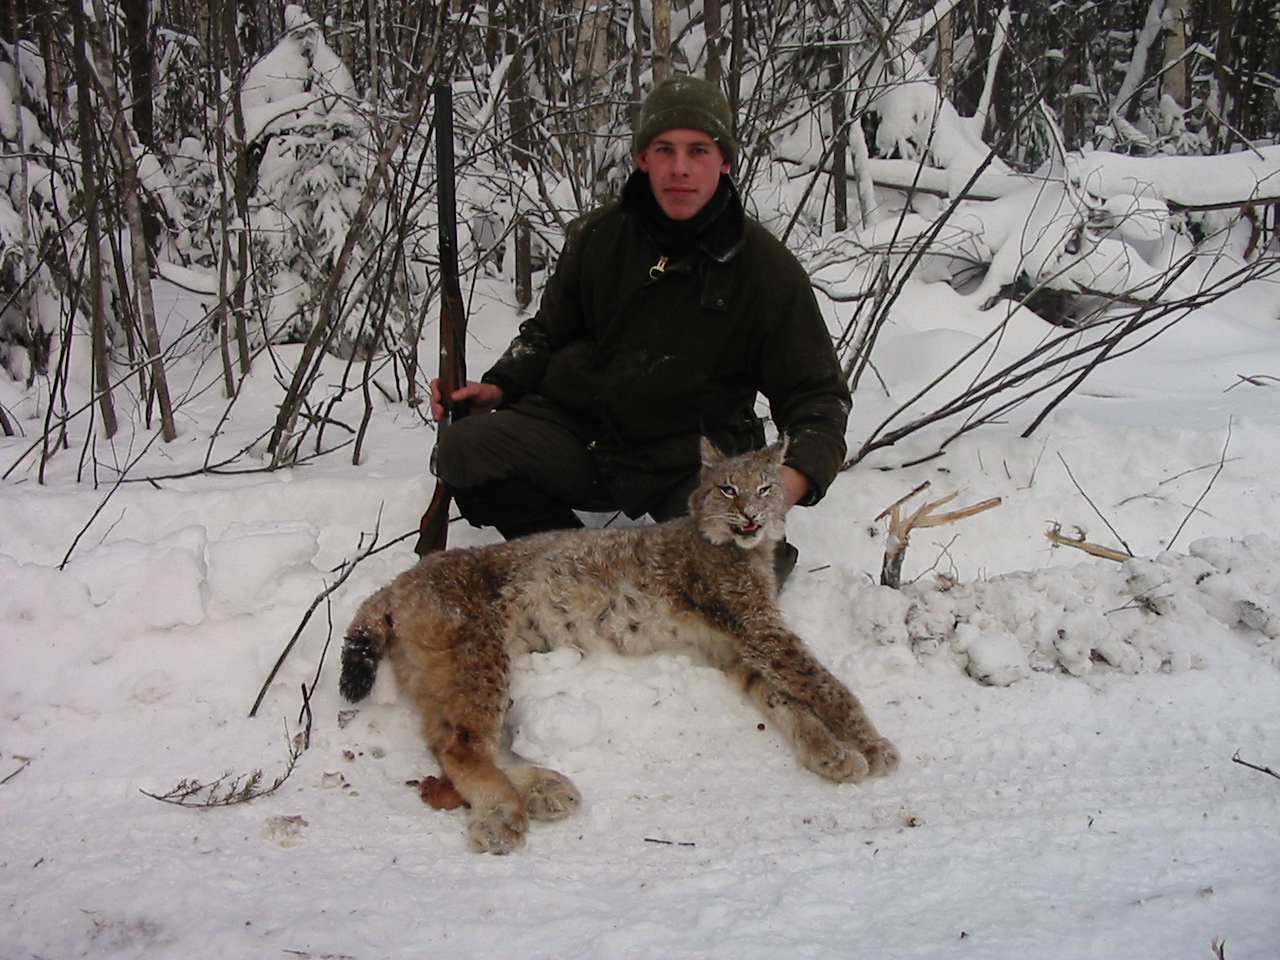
684, 168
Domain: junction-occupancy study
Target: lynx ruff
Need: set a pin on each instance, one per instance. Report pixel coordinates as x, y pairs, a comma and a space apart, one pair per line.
452, 624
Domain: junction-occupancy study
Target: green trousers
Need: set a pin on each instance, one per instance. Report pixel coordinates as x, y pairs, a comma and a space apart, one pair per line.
507, 445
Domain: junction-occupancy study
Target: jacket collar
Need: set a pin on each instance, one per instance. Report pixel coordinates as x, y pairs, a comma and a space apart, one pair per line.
719, 229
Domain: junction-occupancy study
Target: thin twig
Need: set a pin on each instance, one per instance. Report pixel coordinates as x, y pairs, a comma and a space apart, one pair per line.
344, 571
1088, 500
1253, 766
105, 500
308, 692
1254, 380
888, 511
1035, 466
1222, 462
1190, 470
26, 762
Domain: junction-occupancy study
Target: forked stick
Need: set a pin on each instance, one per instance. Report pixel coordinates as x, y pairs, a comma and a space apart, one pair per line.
900, 528
1058, 538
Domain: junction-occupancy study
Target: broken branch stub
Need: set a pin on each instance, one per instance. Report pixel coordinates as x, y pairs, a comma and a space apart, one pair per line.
900, 528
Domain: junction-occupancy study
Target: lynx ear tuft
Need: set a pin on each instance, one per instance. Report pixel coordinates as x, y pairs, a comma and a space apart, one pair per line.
711, 455
779, 448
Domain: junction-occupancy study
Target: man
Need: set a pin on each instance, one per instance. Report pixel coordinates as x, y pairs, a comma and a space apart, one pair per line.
667, 313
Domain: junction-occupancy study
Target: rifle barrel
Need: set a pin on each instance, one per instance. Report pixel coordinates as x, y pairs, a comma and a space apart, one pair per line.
434, 528
453, 318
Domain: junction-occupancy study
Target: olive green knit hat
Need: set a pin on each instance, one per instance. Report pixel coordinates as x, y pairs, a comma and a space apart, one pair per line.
686, 103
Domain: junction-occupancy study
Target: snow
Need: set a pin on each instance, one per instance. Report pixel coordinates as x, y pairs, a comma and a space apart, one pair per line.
1067, 723
915, 122
1191, 181
300, 75
197, 281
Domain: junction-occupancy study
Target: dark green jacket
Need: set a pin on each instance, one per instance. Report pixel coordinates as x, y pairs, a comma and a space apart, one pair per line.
640, 360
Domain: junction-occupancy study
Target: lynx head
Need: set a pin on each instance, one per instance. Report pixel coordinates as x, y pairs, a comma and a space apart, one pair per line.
740, 499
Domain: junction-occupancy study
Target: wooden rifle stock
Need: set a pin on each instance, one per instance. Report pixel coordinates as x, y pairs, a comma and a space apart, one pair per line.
433, 530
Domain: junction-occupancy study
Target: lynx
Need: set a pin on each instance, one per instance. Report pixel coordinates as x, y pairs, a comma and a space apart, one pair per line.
452, 624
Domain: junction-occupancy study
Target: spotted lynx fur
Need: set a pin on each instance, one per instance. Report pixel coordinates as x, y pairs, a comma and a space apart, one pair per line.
452, 624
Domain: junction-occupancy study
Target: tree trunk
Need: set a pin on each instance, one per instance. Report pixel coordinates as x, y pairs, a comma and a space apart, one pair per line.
998, 39
591, 80
946, 53
1251, 51
131, 200
637, 62
1220, 101
591, 53
136, 16
520, 117
840, 152
736, 42
254, 27
93, 241
715, 40
1126, 102
1175, 47
861, 169
661, 40
137, 31
217, 41
241, 187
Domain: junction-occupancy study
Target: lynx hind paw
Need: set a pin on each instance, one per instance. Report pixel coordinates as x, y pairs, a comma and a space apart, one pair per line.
499, 829
550, 796
837, 762
881, 756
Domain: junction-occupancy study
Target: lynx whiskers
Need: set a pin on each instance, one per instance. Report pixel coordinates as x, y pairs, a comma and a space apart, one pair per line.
451, 625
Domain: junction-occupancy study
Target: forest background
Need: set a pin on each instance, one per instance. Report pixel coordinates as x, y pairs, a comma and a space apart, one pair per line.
276, 160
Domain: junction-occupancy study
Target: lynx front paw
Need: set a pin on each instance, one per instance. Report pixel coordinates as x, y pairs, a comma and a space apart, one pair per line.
499, 829
551, 796
882, 757
837, 762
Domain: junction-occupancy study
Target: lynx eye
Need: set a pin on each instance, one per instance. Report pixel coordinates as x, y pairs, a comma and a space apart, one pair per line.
765, 488
728, 489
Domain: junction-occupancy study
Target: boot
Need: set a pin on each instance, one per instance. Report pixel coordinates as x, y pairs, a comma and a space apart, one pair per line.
515, 507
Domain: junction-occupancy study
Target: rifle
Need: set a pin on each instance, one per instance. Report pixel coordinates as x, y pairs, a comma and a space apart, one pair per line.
433, 530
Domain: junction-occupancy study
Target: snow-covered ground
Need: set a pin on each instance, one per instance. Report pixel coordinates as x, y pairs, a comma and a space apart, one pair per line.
1067, 724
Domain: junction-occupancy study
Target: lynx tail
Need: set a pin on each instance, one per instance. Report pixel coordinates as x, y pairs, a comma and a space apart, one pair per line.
367, 640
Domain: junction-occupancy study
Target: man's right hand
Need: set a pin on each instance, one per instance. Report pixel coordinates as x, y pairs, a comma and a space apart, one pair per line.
483, 397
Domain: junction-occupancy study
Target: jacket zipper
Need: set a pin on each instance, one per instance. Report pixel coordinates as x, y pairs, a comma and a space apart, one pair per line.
659, 268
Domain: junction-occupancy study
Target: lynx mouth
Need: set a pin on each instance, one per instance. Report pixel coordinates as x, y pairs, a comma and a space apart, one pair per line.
745, 529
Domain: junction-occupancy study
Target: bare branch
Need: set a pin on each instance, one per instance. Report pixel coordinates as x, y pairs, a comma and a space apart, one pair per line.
229, 790
1222, 462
